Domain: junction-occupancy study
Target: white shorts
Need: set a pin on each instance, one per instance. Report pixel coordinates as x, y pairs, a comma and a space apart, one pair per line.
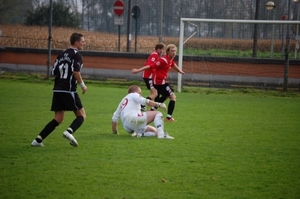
135, 123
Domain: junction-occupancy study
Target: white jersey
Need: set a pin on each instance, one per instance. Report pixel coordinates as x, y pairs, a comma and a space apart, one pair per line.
129, 111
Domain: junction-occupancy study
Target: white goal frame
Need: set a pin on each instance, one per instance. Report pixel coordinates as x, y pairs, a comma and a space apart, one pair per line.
189, 20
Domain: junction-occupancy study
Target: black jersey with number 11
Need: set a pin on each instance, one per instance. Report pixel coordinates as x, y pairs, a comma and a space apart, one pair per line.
66, 62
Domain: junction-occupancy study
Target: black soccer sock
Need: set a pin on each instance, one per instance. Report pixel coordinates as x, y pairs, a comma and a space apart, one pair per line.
146, 98
171, 107
76, 124
47, 130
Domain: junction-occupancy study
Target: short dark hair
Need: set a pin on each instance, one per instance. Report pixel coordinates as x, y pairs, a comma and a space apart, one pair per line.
159, 46
75, 37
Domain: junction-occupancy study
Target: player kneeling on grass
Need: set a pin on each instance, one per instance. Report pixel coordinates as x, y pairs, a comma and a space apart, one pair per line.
136, 122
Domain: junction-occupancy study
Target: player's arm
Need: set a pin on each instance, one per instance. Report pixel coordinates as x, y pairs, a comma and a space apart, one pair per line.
143, 101
114, 127
114, 120
156, 104
78, 77
135, 70
55, 69
178, 69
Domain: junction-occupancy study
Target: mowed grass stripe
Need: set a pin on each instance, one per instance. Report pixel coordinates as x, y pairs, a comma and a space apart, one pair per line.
227, 145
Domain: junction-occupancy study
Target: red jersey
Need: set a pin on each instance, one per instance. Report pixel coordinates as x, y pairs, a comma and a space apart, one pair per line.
162, 66
151, 60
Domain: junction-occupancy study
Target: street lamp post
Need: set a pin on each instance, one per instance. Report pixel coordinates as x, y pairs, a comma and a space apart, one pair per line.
287, 49
270, 6
297, 30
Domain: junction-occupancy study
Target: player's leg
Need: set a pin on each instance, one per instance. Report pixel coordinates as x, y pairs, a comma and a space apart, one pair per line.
59, 114
78, 121
157, 118
74, 104
150, 131
160, 97
128, 128
136, 124
153, 91
171, 105
148, 85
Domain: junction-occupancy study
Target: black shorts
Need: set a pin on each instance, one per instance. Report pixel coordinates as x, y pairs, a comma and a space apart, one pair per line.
62, 101
149, 83
164, 90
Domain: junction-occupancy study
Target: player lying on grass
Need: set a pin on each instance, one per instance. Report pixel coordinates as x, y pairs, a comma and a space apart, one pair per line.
135, 121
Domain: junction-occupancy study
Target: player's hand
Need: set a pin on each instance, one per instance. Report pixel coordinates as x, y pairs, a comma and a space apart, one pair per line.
84, 88
134, 71
162, 106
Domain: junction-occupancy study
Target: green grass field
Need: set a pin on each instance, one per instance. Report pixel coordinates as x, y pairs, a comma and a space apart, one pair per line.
228, 144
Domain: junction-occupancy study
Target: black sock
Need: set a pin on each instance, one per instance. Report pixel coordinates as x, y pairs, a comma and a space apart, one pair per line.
146, 98
76, 124
171, 107
47, 130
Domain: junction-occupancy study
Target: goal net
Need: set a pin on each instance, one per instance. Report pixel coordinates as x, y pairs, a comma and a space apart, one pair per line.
236, 53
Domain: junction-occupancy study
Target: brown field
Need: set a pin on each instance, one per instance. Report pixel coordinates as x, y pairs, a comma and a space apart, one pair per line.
37, 37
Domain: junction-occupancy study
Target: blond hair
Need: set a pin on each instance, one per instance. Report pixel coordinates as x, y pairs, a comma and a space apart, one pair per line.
170, 46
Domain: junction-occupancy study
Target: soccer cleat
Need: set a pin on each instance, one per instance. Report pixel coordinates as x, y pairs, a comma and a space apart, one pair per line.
170, 119
138, 135
35, 143
71, 138
166, 136
153, 109
143, 109
133, 134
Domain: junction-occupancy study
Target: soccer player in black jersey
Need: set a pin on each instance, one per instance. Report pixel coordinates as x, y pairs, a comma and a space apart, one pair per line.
66, 70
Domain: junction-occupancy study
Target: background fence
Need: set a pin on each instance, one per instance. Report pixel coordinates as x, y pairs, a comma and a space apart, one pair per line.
159, 21
160, 18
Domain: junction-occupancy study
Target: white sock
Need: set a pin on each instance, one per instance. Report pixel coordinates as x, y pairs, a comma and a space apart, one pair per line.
159, 124
149, 134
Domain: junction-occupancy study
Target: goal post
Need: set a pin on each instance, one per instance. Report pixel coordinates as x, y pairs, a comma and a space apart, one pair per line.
199, 21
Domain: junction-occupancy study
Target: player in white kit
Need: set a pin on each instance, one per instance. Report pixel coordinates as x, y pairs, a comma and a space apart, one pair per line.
136, 122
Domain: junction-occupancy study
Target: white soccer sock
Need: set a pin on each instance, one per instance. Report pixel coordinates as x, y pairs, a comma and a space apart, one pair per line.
149, 134
159, 124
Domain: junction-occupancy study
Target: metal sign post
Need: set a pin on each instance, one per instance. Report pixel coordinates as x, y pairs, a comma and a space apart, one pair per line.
135, 15
119, 10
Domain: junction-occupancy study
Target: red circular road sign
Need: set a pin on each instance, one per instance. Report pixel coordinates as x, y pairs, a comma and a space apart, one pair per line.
119, 7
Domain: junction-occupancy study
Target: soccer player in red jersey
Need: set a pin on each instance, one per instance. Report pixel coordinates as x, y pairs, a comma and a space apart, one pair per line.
162, 67
148, 74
